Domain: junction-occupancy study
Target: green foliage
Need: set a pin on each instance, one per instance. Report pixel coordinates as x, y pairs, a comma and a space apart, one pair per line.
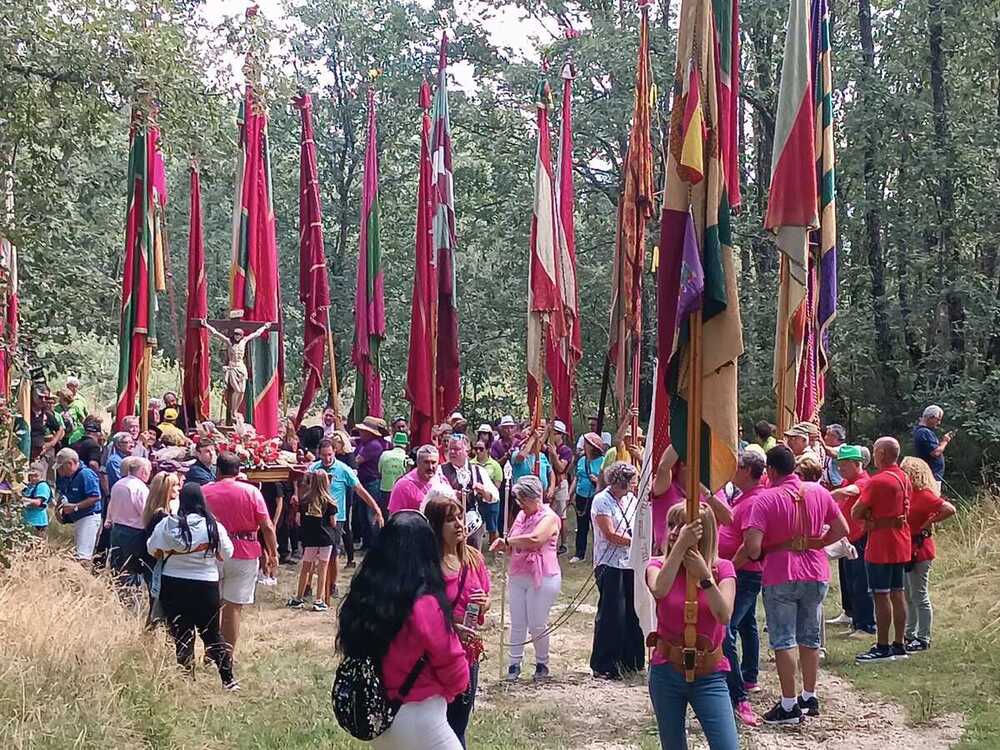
925, 149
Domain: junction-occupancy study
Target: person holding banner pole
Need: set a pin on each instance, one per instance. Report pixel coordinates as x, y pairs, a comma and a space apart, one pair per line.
691, 548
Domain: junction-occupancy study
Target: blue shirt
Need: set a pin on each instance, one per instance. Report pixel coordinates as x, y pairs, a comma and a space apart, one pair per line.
924, 443
37, 516
342, 479
113, 468
199, 474
584, 487
77, 488
527, 466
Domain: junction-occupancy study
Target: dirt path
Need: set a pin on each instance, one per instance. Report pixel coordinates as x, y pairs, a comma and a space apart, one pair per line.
599, 715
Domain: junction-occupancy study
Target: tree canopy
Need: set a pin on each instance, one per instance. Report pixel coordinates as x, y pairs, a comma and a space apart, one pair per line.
917, 128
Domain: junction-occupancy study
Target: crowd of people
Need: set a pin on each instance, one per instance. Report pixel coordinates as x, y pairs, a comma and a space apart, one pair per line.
198, 539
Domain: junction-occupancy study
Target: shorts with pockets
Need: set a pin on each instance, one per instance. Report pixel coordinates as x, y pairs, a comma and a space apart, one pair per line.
793, 613
885, 577
238, 580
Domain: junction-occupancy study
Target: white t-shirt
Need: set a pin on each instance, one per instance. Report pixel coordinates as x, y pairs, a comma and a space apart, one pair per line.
622, 515
194, 566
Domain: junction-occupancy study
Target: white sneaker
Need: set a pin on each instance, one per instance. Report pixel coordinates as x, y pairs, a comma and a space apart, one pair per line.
841, 619
573, 560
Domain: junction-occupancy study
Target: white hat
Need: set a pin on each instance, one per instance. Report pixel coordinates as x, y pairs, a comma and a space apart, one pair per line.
485, 428
507, 421
456, 417
559, 427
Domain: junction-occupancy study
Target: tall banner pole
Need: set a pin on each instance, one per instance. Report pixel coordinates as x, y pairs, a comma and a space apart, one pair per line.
693, 486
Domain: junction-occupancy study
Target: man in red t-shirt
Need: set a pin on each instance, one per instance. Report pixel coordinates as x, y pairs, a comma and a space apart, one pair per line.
853, 575
883, 505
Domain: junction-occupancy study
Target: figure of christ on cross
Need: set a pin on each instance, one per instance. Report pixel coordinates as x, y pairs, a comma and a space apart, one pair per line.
234, 369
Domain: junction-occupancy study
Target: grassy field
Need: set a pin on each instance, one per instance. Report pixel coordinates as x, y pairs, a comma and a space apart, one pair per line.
78, 671
959, 673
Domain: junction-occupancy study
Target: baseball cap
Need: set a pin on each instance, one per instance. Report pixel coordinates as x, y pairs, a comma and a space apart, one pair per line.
802, 429
850, 453
559, 427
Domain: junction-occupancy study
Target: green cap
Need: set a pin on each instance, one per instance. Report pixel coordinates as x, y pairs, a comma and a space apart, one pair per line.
401, 439
850, 453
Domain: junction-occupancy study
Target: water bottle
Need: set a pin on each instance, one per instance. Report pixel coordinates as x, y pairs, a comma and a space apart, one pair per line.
471, 619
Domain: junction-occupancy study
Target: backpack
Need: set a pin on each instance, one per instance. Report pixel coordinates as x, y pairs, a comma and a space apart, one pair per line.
360, 701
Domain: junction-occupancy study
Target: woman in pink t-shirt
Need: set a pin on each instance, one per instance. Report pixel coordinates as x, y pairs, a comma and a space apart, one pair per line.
466, 582
397, 612
535, 578
692, 548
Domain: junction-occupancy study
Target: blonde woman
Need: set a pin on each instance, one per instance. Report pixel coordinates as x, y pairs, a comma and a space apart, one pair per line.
162, 501
691, 548
320, 540
927, 508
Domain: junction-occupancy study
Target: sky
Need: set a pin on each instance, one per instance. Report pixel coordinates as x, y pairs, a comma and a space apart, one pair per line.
508, 26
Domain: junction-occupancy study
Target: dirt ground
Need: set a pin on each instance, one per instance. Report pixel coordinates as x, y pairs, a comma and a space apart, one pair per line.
600, 715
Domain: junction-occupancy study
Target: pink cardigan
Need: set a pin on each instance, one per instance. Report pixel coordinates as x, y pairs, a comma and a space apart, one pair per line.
424, 632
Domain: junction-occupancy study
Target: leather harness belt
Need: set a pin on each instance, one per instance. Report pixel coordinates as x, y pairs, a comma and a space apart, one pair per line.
701, 661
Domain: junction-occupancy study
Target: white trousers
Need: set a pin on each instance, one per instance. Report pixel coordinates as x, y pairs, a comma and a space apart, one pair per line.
85, 532
421, 725
529, 612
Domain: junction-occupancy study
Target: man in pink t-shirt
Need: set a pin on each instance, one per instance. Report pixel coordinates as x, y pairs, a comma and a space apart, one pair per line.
790, 524
240, 508
411, 489
742, 676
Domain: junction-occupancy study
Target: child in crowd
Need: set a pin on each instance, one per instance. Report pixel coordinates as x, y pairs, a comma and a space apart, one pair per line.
320, 539
36, 496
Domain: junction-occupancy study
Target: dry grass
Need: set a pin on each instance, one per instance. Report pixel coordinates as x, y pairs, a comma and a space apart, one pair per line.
69, 653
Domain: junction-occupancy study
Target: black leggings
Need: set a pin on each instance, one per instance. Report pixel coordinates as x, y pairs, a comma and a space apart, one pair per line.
194, 605
460, 709
348, 527
582, 524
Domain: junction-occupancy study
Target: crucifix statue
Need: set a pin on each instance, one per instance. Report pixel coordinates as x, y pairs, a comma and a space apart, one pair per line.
234, 369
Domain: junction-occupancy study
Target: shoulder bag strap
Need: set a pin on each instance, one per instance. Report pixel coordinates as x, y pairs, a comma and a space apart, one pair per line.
411, 678
461, 585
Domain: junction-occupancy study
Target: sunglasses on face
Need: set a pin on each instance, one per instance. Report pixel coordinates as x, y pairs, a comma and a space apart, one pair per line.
480, 447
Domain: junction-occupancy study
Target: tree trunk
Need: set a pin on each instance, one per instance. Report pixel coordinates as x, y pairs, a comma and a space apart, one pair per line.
871, 239
993, 348
947, 248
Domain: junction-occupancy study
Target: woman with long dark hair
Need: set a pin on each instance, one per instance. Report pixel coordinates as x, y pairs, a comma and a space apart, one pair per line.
397, 612
467, 582
187, 547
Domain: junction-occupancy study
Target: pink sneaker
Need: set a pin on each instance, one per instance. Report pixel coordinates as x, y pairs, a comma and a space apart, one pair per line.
744, 712
751, 687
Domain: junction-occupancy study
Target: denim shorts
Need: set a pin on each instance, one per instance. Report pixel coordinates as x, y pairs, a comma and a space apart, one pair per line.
884, 577
793, 613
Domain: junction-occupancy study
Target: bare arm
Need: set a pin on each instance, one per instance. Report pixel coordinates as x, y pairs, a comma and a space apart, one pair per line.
723, 513
752, 540
216, 332
605, 524
537, 538
946, 512
258, 333
266, 528
664, 471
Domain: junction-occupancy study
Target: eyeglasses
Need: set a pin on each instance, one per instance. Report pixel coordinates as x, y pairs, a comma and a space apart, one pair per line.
480, 447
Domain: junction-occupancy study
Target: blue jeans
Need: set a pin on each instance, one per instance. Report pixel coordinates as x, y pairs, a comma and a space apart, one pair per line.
709, 698
743, 622
862, 606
